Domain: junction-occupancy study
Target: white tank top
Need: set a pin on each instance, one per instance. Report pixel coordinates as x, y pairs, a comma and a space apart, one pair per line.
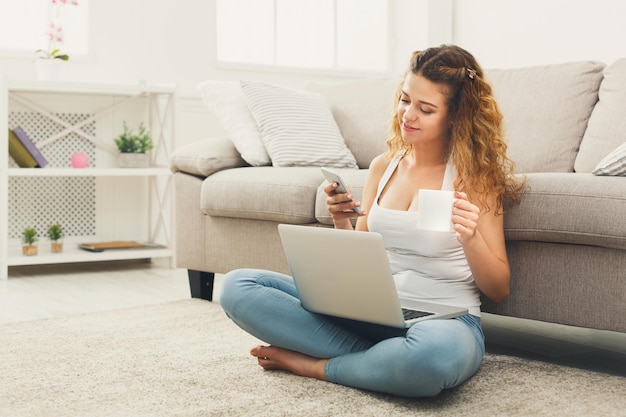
427, 266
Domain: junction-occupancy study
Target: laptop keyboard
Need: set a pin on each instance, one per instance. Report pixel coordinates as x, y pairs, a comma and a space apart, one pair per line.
414, 314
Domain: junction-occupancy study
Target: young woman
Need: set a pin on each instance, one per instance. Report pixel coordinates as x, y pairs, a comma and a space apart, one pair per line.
446, 134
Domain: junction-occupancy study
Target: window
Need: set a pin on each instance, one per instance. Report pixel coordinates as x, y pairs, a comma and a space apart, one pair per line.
345, 35
25, 25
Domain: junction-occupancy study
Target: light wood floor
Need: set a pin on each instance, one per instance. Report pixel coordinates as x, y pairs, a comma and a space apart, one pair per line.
39, 292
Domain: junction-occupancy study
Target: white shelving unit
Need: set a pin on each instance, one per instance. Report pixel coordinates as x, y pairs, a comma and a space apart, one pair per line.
100, 202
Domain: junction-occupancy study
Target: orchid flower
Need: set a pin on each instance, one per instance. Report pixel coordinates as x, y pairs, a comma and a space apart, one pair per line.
55, 32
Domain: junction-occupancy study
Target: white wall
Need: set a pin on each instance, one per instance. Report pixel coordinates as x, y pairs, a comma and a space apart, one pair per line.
162, 41
506, 33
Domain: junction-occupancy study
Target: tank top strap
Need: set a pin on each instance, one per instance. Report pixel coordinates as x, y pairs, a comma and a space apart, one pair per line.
393, 164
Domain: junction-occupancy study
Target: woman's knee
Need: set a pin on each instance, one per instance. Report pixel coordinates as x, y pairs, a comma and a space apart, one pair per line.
242, 286
445, 358
231, 288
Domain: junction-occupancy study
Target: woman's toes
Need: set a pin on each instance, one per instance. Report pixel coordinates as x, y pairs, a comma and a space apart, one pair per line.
259, 352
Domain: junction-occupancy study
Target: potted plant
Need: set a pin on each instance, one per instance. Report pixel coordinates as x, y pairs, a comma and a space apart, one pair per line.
55, 233
29, 241
133, 147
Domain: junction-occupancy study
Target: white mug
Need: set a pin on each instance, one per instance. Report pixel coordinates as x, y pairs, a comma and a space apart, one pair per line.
434, 210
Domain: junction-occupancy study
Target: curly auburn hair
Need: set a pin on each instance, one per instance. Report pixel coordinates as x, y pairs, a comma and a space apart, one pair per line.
475, 135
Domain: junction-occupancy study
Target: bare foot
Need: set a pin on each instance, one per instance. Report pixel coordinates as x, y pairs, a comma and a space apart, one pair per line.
272, 357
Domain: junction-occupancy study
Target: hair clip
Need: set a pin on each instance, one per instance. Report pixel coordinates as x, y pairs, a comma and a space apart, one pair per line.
471, 73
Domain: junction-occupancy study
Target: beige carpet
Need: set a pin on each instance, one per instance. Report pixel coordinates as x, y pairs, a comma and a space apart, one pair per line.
186, 358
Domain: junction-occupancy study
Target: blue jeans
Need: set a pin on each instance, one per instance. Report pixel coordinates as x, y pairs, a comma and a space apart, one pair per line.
431, 356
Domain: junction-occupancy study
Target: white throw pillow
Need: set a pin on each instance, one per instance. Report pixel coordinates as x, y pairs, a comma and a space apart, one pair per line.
614, 163
226, 100
297, 127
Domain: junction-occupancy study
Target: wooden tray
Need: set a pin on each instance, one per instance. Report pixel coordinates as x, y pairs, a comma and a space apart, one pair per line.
116, 244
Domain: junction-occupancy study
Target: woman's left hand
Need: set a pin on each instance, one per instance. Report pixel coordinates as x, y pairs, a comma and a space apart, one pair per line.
465, 217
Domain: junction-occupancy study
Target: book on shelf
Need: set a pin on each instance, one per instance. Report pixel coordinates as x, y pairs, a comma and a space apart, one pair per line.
18, 152
30, 147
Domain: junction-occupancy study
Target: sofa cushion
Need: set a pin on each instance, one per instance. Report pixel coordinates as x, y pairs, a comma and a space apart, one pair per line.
263, 193
362, 110
546, 110
581, 209
566, 208
613, 164
354, 179
297, 127
607, 124
226, 100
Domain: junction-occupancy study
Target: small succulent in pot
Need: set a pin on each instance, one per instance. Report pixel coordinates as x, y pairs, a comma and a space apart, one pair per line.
55, 234
29, 241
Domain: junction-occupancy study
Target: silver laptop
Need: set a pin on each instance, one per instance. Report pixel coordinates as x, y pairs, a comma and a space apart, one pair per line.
346, 274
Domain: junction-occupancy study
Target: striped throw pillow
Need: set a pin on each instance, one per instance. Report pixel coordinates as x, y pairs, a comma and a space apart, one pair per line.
613, 164
297, 127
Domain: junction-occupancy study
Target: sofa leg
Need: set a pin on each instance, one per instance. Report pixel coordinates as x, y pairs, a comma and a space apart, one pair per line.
201, 284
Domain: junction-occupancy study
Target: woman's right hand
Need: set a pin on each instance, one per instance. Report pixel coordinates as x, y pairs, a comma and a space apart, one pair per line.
341, 206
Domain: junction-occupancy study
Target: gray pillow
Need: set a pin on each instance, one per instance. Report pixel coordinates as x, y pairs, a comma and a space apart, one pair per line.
205, 157
546, 109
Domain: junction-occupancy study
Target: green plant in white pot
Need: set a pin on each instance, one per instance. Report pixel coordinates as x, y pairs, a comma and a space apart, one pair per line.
133, 147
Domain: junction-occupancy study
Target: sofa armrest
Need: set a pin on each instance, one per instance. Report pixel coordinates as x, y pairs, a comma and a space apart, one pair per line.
205, 157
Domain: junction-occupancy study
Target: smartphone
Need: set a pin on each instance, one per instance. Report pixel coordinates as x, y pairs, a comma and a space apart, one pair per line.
342, 188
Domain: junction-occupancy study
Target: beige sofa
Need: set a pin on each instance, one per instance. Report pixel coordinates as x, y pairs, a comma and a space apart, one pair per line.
566, 241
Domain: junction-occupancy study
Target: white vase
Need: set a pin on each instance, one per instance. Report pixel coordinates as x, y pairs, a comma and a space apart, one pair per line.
47, 69
133, 160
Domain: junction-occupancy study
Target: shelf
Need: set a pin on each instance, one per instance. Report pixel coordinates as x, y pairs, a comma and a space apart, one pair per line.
57, 87
64, 117
89, 172
71, 253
